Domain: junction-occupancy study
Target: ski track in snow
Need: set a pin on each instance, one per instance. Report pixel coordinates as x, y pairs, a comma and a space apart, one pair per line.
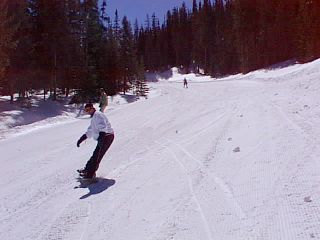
204, 219
227, 200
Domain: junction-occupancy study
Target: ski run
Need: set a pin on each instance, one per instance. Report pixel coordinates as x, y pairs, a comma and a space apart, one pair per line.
224, 159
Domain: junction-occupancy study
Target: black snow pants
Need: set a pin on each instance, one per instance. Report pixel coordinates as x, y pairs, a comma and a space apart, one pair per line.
104, 142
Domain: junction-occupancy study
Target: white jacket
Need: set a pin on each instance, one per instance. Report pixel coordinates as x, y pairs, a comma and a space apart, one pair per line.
99, 123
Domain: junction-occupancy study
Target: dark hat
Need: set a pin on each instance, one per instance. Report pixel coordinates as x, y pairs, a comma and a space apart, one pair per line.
88, 105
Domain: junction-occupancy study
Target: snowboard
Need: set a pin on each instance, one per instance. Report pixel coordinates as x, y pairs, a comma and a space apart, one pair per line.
86, 181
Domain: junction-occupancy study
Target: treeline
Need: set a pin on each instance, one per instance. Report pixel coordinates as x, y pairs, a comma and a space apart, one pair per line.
229, 36
58, 46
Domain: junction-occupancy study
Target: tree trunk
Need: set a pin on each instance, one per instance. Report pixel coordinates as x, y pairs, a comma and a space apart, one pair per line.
55, 75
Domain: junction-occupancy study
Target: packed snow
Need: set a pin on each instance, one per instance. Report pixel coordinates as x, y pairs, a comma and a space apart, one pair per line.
229, 158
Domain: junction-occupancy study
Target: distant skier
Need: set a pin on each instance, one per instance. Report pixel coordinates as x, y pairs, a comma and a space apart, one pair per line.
185, 83
103, 103
100, 129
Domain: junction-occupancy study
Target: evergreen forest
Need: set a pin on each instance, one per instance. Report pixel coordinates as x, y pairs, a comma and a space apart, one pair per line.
64, 46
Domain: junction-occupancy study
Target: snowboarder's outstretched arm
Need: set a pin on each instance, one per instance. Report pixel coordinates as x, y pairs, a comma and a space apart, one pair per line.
82, 138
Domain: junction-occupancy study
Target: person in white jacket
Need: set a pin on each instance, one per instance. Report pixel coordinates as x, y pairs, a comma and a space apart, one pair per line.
100, 129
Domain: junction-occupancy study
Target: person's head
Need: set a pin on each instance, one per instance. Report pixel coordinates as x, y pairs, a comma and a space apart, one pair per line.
88, 108
102, 90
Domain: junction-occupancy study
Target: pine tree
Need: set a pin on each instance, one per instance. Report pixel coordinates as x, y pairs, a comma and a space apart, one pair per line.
148, 60
219, 56
230, 53
61, 34
73, 60
141, 86
50, 33
308, 30
116, 26
155, 43
169, 35
8, 44
195, 33
246, 28
109, 60
93, 40
184, 46
206, 34
127, 55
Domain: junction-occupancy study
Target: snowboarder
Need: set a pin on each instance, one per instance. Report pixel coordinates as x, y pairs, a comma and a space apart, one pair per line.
185, 83
103, 103
100, 129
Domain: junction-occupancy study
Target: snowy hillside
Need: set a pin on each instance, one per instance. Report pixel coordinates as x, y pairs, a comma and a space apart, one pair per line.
225, 159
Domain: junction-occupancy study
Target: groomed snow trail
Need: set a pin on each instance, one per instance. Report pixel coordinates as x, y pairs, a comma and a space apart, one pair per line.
236, 159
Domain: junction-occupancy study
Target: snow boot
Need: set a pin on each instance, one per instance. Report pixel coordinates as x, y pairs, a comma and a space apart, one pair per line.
86, 175
81, 171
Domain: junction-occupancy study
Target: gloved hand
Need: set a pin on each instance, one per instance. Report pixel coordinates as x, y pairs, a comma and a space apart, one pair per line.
83, 137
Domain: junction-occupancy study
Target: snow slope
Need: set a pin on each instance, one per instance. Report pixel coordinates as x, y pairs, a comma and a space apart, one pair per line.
231, 158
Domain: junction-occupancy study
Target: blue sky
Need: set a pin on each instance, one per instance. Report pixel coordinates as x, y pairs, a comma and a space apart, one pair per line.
140, 8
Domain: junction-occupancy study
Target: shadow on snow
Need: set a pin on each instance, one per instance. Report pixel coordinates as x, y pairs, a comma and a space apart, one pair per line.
96, 187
